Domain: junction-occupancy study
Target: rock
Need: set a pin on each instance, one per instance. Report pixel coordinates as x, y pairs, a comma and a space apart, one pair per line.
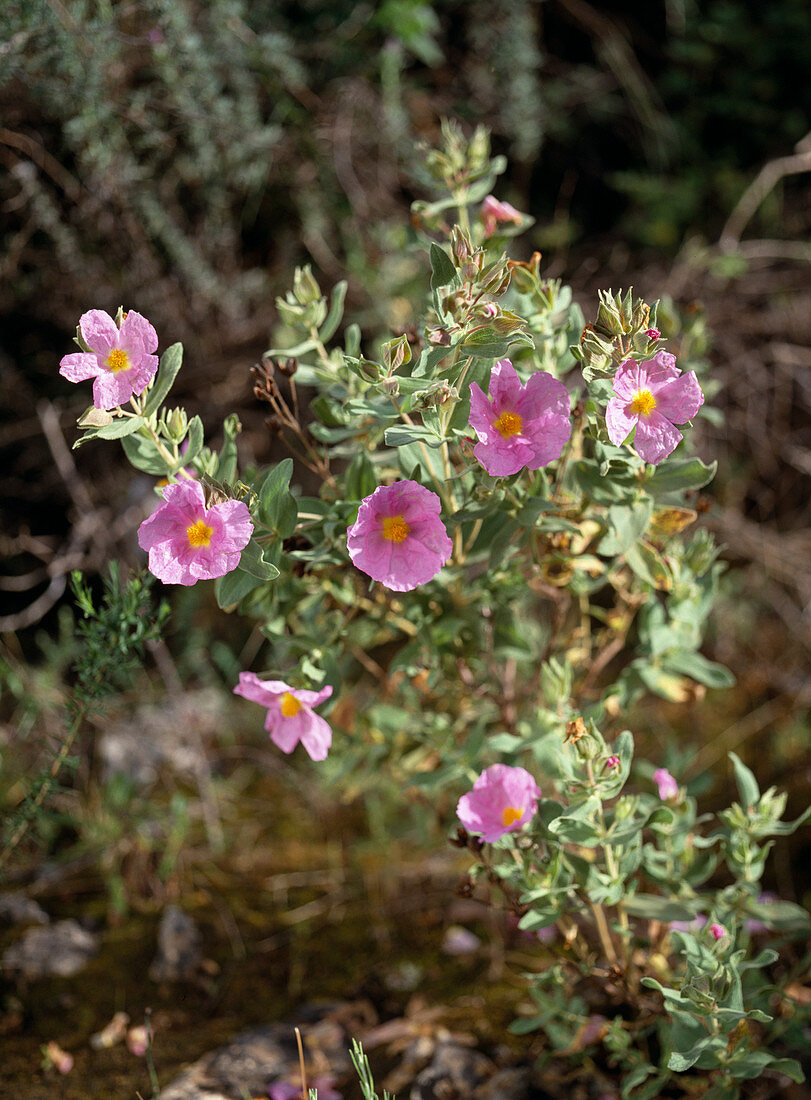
513, 1083
256, 1058
455, 1073
18, 909
177, 729
179, 955
60, 950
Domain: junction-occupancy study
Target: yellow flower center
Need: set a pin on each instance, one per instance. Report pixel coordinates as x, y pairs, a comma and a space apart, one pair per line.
395, 528
118, 360
509, 424
644, 403
510, 815
290, 705
199, 534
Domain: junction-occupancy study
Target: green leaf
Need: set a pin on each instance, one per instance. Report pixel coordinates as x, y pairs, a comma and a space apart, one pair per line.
336, 311
648, 565
653, 907
698, 668
487, 343
227, 462
170, 364
747, 784
627, 523
119, 429
234, 586
277, 505
790, 1067
443, 273
142, 453
361, 480
196, 439
401, 434
251, 561
680, 475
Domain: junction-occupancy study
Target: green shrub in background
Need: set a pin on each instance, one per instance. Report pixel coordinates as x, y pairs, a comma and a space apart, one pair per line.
176, 153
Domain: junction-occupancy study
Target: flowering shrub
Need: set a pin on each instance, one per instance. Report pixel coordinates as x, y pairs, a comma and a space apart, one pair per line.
526, 589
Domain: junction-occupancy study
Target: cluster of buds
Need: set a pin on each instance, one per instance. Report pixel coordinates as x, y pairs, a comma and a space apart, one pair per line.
622, 328
304, 306
461, 160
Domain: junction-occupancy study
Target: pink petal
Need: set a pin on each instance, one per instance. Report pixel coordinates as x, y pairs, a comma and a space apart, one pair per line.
619, 422
629, 379
188, 496
680, 398
543, 395
505, 386
481, 412
655, 437
234, 522
316, 736
285, 733
99, 330
498, 458
111, 390
142, 374
79, 366
137, 334
550, 435
311, 698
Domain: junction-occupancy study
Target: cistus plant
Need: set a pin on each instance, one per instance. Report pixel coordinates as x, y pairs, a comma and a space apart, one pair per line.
495, 568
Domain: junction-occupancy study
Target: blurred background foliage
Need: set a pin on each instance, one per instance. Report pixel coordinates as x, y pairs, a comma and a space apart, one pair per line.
182, 154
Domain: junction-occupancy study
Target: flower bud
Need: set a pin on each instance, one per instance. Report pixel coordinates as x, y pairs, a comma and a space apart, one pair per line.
177, 424
390, 386
305, 287
460, 244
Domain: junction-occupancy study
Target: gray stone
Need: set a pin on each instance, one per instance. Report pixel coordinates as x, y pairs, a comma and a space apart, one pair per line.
255, 1059
513, 1083
60, 950
18, 909
455, 1072
179, 955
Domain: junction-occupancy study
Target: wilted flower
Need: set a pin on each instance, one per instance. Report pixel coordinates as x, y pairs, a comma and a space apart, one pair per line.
54, 1056
120, 360
493, 213
503, 800
290, 716
519, 425
668, 787
652, 397
612, 762
718, 931
188, 542
138, 1040
398, 537
653, 334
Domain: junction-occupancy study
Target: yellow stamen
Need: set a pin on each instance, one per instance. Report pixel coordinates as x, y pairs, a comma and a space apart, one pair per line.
199, 534
508, 424
510, 815
395, 528
117, 360
644, 403
290, 705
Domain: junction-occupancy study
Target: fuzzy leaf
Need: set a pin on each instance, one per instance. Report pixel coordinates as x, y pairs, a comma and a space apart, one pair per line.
170, 363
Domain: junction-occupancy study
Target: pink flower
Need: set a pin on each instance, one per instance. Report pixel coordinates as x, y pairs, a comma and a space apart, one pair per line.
398, 537
652, 397
612, 762
188, 542
503, 800
668, 787
519, 425
718, 931
290, 716
493, 213
120, 360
